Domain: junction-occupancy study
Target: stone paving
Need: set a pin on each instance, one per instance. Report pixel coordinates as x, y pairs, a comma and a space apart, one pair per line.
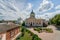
48, 36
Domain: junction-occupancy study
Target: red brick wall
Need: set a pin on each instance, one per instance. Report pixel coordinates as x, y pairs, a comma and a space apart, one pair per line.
8, 36
8, 33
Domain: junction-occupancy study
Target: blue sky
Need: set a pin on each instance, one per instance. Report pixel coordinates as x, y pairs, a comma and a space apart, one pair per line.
13, 9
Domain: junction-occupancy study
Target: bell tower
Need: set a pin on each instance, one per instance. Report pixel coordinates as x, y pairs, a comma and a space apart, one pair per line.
32, 15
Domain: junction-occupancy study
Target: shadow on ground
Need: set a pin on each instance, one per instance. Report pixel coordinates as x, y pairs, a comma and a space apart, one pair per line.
58, 28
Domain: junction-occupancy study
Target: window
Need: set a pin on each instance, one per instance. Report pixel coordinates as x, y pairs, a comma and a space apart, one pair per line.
12, 33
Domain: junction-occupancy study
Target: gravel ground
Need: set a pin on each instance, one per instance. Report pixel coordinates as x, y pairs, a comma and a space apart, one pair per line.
48, 36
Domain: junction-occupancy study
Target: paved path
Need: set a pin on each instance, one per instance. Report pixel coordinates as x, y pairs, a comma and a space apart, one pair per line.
16, 36
48, 36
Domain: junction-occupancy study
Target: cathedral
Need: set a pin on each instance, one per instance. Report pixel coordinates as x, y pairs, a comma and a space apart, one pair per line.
32, 21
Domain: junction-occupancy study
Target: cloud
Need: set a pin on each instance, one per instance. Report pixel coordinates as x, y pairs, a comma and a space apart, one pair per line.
45, 6
57, 7
10, 10
13, 9
27, 10
48, 15
29, 6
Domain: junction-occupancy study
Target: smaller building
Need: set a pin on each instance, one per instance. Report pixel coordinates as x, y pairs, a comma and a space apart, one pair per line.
8, 31
32, 21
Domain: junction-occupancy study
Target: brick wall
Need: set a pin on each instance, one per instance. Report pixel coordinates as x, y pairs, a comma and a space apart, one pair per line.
8, 33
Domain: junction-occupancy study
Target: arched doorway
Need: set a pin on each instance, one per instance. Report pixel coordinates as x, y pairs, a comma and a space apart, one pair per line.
31, 24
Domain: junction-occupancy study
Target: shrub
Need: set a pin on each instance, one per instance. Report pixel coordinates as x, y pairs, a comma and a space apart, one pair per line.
38, 29
22, 30
35, 29
22, 34
35, 37
32, 34
49, 30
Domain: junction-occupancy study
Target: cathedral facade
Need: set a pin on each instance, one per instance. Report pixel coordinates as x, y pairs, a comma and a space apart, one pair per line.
32, 21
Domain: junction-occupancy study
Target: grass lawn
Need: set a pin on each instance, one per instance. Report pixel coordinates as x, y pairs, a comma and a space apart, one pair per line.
26, 37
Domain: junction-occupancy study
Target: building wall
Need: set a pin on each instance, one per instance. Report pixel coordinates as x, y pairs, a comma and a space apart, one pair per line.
8, 34
3, 36
33, 23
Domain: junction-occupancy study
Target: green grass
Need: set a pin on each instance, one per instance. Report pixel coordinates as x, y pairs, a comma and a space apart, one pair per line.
25, 37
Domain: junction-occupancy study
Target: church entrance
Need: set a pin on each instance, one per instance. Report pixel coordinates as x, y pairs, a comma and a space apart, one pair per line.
31, 24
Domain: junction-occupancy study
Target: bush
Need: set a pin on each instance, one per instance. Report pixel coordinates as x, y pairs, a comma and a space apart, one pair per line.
32, 33
38, 29
35, 29
22, 30
49, 30
22, 34
35, 37
28, 31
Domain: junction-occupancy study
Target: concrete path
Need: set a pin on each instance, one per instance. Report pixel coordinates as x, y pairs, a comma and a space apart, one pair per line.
48, 36
16, 36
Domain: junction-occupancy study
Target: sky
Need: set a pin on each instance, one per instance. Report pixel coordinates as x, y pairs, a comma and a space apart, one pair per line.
14, 9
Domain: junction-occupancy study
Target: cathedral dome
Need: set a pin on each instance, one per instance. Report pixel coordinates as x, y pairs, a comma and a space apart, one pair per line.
32, 12
32, 15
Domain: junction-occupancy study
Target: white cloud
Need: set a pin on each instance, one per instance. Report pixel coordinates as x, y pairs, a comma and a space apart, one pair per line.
45, 6
26, 11
47, 16
57, 7
10, 10
29, 6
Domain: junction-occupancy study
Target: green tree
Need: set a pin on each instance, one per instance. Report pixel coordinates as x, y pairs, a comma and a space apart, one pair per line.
23, 24
56, 19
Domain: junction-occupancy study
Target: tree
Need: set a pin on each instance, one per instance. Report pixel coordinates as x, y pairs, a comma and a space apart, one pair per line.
23, 24
56, 19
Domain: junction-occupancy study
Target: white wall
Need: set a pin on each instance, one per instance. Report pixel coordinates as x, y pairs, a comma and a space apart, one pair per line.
4, 36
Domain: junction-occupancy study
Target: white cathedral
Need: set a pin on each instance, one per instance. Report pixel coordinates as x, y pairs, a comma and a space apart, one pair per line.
32, 21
